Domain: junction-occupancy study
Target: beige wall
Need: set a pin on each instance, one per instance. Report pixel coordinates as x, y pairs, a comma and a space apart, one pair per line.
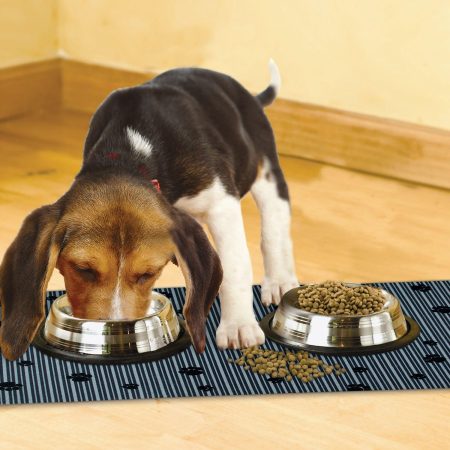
388, 58
28, 31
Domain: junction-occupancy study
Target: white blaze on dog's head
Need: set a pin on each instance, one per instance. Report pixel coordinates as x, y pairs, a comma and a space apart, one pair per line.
139, 143
116, 302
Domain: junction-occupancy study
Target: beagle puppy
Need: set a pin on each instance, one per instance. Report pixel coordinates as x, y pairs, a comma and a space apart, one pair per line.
160, 159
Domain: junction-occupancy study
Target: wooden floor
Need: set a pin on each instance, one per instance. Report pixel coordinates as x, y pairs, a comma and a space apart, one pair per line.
346, 226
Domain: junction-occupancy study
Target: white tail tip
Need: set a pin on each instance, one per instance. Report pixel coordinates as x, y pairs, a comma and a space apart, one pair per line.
275, 77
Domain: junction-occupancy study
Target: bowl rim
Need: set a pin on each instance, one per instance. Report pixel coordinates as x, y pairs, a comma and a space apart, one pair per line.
176, 347
388, 295
165, 301
413, 331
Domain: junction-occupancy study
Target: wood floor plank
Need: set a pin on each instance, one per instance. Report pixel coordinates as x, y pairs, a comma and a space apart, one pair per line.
346, 226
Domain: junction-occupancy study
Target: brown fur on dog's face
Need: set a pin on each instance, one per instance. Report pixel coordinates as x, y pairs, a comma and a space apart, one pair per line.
104, 282
114, 255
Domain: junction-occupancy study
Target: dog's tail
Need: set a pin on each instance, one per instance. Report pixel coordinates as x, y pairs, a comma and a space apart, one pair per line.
269, 94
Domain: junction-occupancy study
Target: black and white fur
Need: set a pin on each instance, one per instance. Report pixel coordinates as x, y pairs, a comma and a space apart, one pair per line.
208, 142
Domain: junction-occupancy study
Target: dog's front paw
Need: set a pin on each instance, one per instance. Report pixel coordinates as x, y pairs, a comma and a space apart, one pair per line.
273, 289
234, 335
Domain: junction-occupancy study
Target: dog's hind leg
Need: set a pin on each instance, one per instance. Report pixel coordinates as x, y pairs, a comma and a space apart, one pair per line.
271, 196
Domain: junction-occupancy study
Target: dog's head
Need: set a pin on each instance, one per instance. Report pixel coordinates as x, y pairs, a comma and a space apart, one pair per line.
110, 239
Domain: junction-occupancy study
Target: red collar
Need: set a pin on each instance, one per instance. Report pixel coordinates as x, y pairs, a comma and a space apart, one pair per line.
155, 183
142, 169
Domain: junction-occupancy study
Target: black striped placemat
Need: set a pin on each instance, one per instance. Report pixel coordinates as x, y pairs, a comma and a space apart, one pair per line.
424, 364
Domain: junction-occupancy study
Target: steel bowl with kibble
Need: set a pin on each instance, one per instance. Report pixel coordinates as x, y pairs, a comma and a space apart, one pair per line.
159, 334
343, 331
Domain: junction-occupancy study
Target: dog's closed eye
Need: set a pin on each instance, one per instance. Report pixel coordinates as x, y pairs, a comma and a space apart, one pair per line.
143, 278
86, 273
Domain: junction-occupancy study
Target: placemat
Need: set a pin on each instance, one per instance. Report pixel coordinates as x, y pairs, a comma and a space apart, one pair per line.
423, 364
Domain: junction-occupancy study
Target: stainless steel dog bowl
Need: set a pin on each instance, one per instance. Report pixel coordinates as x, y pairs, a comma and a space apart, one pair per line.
385, 330
158, 334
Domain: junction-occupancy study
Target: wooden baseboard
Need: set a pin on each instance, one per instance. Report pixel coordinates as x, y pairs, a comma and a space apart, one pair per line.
366, 143
375, 145
30, 87
85, 86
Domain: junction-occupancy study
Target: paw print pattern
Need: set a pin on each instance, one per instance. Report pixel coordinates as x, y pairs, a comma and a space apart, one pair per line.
10, 386
25, 363
420, 287
79, 377
441, 309
205, 388
191, 370
22, 380
358, 387
418, 376
434, 358
276, 380
130, 386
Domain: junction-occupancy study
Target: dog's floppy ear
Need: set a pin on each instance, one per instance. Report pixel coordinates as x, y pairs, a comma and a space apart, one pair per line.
202, 271
24, 274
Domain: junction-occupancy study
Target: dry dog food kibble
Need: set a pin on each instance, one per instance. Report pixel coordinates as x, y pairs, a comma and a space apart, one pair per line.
335, 298
287, 365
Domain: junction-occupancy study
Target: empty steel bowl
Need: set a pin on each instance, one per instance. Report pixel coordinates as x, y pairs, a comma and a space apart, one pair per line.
158, 334
385, 330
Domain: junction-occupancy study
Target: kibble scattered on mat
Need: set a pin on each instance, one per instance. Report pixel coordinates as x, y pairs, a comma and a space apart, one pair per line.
285, 365
335, 298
